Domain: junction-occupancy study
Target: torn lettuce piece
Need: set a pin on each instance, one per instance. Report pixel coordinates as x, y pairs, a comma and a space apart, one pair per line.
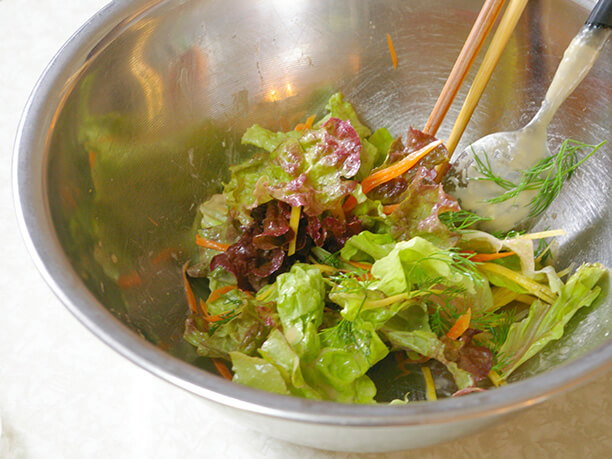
339, 108
545, 322
348, 351
374, 152
244, 325
265, 139
410, 331
240, 193
300, 297
382, 140
257, 373
311, 171
418, 263
277, 351
214, 223
367, 246
420, 209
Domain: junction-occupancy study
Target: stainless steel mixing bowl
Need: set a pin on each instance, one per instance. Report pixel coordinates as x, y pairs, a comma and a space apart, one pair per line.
137, 118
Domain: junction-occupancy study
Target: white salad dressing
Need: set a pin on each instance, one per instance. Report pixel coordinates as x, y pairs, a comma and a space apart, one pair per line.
510, 153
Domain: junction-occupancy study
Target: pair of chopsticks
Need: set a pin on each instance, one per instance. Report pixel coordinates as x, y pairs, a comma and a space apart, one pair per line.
480, 30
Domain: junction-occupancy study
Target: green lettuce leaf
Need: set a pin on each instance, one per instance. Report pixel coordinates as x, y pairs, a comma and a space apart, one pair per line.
265, 139
246, 326
257, 373
339, 108
240, 190
419, 211
367, 246
409, 330
300, 303
278, 352
545, 322
348, 351
418, 263
213, 222
382, 140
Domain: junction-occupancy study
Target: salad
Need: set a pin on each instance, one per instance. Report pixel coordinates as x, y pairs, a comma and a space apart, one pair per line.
335, 251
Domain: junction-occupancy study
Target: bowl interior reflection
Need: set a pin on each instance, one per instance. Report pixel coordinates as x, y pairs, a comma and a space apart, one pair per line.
148, 129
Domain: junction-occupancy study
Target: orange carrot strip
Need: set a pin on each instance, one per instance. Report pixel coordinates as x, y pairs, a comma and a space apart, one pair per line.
92, 159
217, 293
207, 243
490, 256
462, 324
388, 210
191, 301
360, 265
217, 318
392, 51
309, 121
349, 204
164, 255
129, 280
397, 169
222, 369
306, 125
204, 308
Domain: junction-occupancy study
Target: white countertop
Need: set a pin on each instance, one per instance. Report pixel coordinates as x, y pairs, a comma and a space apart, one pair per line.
65, 394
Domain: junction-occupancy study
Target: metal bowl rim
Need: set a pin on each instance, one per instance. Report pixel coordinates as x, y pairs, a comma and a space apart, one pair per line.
39, 235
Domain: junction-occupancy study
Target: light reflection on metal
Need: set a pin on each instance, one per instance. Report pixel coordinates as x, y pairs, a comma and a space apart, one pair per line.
281, 93
149, 79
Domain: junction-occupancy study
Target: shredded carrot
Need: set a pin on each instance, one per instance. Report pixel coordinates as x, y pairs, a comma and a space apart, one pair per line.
191, 301
222, 369
392, 51
388, 210
490, 256
360, 265
217, 293
92, 159
306, 125
217, 318
153, 221
129, 280
349, 204
204, 308
397, 169
461, 325
309, 121
207, 243
294, 224
164, 255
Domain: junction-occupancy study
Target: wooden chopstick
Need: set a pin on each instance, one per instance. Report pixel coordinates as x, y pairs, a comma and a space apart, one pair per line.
498, 43
480, 30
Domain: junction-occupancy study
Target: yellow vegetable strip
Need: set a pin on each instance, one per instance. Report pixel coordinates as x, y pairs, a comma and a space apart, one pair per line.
537, 289
386, 301
502, 297
294, 222
543, 234
429, 384
496, 379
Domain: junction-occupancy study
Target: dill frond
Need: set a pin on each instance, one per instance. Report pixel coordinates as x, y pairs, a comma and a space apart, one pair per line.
548, 176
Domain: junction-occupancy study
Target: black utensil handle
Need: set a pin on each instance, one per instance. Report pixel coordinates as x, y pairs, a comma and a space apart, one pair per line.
601, 16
